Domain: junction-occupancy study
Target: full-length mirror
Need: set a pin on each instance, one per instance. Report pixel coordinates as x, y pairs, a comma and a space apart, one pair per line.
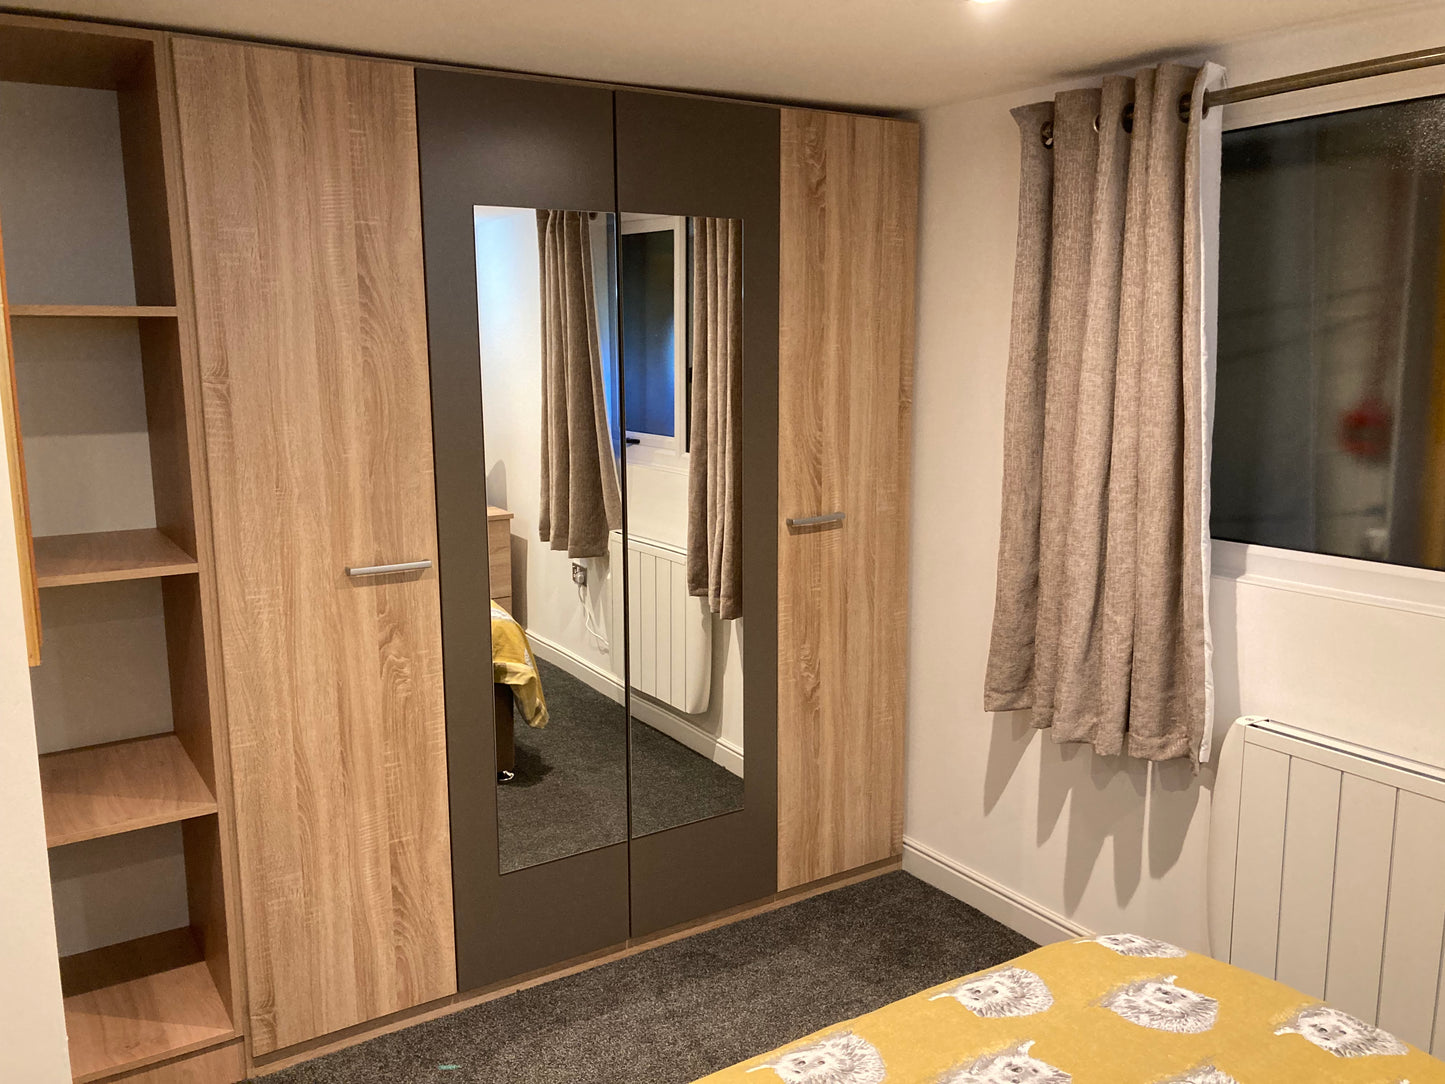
548, 331
680, 290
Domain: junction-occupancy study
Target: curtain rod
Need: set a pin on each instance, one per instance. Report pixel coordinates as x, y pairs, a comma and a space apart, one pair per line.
1286, 84
1342, 73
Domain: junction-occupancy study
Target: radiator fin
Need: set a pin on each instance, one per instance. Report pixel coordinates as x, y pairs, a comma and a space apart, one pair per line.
670, 632
1338, 879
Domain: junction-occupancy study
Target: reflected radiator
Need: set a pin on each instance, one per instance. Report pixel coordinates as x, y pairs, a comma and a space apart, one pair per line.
1326, 874
670, 632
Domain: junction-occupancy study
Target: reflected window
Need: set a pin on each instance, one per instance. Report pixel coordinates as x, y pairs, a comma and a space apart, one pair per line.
1330, 412
652, 254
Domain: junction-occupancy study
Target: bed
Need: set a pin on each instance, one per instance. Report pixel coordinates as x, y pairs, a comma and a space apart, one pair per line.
515, 681
1119, 1009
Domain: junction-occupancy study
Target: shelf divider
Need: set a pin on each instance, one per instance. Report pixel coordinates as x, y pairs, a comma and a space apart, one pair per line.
65, 559
105, 790
106, 312
140, 1002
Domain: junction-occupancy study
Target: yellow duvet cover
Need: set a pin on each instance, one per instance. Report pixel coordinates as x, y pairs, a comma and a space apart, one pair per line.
1119, 1009
513, 664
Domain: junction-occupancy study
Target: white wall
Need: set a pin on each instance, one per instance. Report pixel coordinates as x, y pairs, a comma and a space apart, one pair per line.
996, 811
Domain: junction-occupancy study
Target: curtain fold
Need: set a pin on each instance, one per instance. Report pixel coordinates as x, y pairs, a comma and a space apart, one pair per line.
581, 499
1100, 620
714, 480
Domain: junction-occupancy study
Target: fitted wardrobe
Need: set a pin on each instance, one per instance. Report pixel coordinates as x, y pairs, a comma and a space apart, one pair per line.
272, 426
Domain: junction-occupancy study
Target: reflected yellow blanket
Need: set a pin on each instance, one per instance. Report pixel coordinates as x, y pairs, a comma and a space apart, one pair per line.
512, 664
1120, 1009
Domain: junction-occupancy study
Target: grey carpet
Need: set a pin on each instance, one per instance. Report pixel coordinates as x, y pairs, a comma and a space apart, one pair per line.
673, 785
569, 794
680, 1011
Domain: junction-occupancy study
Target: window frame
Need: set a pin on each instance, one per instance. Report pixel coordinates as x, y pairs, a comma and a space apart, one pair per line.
1354, 579
653, 449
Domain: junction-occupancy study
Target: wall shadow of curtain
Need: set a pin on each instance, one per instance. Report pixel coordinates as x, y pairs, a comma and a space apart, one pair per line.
1143, 811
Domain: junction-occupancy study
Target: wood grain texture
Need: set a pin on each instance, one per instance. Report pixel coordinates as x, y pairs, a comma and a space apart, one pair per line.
499, 555
849, 207
62, 560
66, 53
223, 1065
19, 492
302, 196
138, 1003
193, 636
102, 312
103, 790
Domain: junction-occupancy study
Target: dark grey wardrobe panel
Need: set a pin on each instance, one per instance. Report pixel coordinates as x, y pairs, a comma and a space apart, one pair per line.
497, 141
688, 156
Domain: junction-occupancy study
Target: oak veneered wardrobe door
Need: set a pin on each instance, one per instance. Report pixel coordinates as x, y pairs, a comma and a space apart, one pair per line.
845, 386
305, 223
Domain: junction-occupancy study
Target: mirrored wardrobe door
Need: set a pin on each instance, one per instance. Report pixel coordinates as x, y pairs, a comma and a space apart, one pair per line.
681, 305
698, 305
547, 329
518, 218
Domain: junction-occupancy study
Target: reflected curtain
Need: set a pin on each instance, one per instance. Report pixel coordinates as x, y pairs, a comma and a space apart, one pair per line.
1101, 621
581, 499
714, 482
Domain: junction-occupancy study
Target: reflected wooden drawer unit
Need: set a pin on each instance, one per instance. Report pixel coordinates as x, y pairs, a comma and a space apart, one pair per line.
499, 555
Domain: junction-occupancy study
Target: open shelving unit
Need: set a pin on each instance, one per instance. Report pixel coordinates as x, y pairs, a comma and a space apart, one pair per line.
140, 1002
117, 524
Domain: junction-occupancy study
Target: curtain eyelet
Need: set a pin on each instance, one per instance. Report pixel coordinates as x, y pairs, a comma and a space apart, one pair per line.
1127, 120
1046, 133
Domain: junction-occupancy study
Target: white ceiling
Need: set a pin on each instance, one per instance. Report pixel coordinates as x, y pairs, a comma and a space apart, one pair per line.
881, 54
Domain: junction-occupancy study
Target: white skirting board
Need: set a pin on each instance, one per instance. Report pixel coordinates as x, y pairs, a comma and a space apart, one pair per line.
1002, 904
722, 753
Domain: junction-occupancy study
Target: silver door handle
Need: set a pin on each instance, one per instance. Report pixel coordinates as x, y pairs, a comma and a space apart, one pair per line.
384, 570
813, 521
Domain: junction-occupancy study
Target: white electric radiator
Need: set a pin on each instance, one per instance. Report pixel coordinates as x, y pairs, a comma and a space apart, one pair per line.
1327, 872
670, 632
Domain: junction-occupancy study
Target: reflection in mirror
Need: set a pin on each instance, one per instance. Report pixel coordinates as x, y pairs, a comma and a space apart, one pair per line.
547, 326
680, 295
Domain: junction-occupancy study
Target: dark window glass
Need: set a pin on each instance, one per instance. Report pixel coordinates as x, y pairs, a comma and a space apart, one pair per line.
1330, 410
649, 323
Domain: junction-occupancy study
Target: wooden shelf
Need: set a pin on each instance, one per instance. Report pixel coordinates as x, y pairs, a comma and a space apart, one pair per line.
104, 790
140, 1002
109, 312
64, 559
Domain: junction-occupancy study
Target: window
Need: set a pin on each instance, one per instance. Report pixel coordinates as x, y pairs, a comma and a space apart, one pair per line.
653, 256
1330, 401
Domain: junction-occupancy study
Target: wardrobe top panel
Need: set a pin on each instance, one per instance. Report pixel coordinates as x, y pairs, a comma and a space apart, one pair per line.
507, 142
63, 54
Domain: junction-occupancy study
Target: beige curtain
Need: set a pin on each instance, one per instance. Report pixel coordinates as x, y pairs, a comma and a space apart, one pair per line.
1100, 621
581, 501
714, 482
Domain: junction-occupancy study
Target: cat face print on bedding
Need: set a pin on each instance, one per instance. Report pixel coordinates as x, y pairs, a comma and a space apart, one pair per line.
1131, 944
1010, 991
834, 1059
1343, 1035
1012, 1065
1161, 1005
